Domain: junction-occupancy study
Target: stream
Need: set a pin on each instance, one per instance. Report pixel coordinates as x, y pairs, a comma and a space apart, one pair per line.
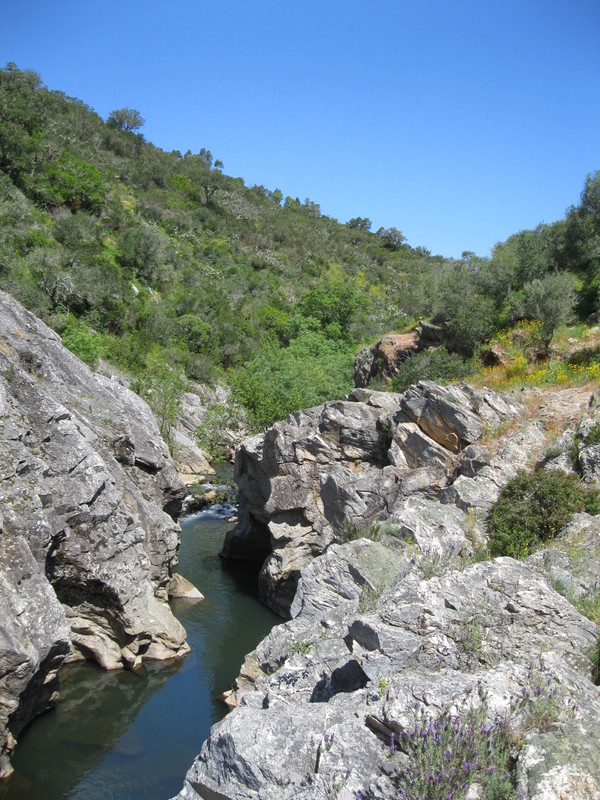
123, 736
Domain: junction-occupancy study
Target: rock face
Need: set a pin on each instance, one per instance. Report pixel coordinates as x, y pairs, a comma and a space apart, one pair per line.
88, 494
388, 640
359, 460
384, 359
375, 648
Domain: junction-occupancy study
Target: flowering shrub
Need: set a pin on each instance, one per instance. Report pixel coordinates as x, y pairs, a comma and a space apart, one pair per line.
447, 754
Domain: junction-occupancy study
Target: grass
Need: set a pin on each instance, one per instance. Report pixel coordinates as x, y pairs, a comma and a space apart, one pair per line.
351, 532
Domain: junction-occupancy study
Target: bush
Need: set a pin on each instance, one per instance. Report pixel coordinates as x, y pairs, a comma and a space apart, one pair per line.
162, 388
279, 382
593, 436
434, 365
533, 508
84, 343
78, 184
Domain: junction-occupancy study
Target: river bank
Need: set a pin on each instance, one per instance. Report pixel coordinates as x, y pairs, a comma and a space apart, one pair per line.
129, 736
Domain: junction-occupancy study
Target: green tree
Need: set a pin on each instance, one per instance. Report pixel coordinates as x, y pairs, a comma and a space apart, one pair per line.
140, 248
78, 184
392, 238
331, 303
361, 223
162, 388
279, 382
549, 299
126, 119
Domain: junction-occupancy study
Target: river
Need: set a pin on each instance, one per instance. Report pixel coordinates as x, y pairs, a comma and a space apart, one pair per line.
124, 736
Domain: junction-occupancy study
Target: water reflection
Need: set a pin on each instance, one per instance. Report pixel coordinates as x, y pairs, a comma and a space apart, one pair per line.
123, 736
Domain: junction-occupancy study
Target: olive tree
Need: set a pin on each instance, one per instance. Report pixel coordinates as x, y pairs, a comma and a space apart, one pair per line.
549, 299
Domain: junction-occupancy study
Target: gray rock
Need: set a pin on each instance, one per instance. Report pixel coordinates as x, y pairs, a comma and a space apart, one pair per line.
330, 686
34, 641
191, 462
386, 636
88, 494
572, 562
356, 461
182, 589
474, 458
589, 463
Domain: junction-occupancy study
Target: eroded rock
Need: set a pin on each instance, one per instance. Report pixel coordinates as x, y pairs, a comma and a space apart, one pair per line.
386, 636
305, 478
88, 494
353, 667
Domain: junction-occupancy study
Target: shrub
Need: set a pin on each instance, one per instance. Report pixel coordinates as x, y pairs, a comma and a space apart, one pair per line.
78, 184
593, 436
84, 343
448, 754
533, 508
279, 382
162, 388
436, 365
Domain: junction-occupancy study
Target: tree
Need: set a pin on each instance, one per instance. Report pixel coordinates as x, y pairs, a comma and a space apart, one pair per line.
125, 119
590, 198
162, 389
78, 184
473, 323
392, 238
140, 248
362, 223
332, 303
549, 299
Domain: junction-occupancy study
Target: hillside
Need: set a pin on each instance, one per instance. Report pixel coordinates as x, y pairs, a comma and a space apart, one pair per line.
165, 266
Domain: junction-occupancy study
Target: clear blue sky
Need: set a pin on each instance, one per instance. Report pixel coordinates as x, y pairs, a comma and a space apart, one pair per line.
457, 121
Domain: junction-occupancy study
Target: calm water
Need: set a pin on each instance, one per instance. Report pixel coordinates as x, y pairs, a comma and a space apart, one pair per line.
122, 736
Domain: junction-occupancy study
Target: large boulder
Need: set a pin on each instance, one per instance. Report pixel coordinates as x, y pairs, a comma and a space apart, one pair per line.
304, 479
89, 495
390, 641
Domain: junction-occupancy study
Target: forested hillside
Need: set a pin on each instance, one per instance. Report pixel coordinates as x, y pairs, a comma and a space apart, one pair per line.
167, 267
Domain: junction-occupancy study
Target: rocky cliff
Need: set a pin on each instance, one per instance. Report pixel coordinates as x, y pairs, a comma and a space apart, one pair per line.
410, 659
355, 462
88, 542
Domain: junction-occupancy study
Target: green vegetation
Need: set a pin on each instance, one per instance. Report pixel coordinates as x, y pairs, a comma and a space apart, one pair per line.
593, 436
162, 388
160, 261
351, 532
446, 754
533, 508
438, 364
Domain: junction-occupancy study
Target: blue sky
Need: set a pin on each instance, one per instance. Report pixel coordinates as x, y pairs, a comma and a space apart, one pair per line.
458, 122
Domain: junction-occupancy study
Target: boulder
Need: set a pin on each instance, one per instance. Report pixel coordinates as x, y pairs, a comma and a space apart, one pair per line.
181, 589
354, 461
383, 360
191, 462
389, 640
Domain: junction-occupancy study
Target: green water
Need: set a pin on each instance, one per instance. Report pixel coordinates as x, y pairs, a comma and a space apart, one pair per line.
123, 736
